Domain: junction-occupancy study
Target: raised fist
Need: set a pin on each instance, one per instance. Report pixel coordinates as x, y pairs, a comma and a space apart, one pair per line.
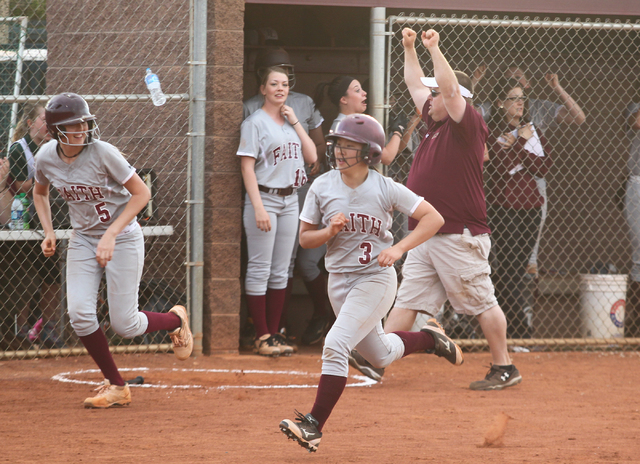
408, 37
430, 38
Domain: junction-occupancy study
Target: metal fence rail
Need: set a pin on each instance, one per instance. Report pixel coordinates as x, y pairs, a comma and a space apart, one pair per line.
573, 295
101, 53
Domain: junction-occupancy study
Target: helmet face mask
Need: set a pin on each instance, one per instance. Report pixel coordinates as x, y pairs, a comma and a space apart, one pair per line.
362, 129
68, 109
332, 147
92, 135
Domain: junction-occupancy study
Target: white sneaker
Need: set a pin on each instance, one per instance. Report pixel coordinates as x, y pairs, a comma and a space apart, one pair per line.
181, 338
108, 396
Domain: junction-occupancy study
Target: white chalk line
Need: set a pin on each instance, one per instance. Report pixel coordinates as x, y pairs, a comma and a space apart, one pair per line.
65, 377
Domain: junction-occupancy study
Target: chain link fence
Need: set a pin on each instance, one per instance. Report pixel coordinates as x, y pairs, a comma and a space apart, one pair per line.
99, 50
573, 294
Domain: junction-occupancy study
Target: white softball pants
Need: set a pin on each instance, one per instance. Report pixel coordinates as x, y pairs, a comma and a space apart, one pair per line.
123, 274
270, 252
360, 301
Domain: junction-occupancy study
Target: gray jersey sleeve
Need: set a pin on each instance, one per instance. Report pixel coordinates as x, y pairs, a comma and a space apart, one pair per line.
116, 164
311, 213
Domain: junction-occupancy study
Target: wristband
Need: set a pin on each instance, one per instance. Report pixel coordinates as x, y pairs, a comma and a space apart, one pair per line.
295, 122
398, 133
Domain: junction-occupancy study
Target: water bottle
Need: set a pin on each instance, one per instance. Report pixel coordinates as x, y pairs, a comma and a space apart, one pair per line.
153, 84
17, 209
26, 215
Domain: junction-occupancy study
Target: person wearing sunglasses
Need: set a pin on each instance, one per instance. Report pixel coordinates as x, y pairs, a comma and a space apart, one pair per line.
518, 154
447, 172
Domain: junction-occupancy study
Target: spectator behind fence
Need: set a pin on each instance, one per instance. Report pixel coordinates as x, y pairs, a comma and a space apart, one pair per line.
543, 114
518, 154
29, 135
632, 213
453, 264
306, 261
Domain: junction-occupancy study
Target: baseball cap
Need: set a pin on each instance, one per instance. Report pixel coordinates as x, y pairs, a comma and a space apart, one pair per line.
431, 83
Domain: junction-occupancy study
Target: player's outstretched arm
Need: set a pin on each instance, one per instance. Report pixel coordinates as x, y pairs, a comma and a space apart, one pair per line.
312, 237
447, 81
43, 209
140, 196
429, 223
412, 70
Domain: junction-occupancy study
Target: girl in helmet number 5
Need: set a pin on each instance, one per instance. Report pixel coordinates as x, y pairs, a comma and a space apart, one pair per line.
355, 204
104, 195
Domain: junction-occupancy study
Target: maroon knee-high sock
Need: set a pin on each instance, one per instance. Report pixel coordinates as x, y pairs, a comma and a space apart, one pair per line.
98, 347
162, 321
330, 389
257, 306
285, 305
317, 289
415, 341
275, 300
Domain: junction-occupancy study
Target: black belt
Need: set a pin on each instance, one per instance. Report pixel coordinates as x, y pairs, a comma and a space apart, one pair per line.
285, 192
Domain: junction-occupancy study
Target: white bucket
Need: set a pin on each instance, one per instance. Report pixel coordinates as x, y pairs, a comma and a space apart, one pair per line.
602, 301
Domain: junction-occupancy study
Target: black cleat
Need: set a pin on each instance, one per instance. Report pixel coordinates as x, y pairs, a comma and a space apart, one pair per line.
357, 361
304, 431
445, 347
497, 378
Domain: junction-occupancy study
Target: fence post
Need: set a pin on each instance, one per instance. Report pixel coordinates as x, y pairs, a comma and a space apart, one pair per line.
198, 106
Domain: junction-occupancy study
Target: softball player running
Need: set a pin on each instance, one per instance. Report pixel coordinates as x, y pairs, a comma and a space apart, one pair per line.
104, 195
355, 204
274, 148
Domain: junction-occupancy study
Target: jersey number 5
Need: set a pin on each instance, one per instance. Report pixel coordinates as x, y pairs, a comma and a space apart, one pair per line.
366, 253
103, 212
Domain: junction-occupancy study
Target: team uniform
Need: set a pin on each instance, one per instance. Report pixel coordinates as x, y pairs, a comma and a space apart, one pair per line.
280, 171
310, 118
361, 292
93, 187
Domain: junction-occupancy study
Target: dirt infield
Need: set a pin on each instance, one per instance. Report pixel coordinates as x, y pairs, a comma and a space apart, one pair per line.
570, 408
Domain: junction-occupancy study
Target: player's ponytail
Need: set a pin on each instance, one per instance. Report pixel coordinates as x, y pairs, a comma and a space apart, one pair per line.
337, 89
30, 111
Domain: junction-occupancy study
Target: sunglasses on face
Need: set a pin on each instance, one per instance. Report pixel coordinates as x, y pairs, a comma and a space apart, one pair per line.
434, 93
516, 99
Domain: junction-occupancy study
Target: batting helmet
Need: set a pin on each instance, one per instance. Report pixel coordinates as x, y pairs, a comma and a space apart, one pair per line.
359, 128
67, 109
274, 56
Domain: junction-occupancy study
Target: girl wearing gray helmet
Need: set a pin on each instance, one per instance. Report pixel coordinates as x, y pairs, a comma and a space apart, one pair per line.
104, 195
355, 204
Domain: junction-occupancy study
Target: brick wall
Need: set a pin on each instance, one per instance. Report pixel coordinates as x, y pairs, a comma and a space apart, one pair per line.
104, 47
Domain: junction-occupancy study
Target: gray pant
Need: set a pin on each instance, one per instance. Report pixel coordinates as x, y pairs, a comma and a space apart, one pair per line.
270, 252
123, 274
360, 301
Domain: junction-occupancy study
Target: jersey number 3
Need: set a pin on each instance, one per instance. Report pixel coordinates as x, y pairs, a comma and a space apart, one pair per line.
103, 212
366, 253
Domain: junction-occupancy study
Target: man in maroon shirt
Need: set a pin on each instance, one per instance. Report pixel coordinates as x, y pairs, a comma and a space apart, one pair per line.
447, 172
